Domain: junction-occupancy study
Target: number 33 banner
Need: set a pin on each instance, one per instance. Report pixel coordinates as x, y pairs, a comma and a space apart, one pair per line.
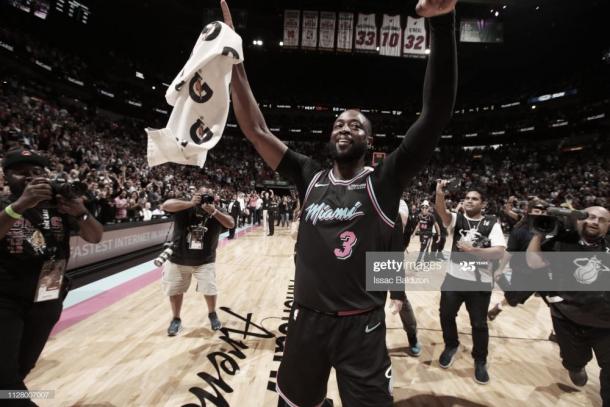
415, 37
366, 33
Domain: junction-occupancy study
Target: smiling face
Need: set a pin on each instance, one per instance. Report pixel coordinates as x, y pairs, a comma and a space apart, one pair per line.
350, 137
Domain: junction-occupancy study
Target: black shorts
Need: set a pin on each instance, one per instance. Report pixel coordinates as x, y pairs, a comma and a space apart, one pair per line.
353, 345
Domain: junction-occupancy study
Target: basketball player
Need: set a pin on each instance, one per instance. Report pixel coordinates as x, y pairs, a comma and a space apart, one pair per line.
425, 223
348, 210
477, 240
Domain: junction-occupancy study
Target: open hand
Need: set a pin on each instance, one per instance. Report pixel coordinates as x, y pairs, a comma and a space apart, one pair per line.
433, 8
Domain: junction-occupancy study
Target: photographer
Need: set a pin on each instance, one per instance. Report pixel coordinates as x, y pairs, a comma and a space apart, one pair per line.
522, 275
477, 241
581, 318
198, 224
35, 226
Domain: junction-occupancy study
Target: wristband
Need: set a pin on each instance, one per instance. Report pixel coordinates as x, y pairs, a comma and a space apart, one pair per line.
11, 213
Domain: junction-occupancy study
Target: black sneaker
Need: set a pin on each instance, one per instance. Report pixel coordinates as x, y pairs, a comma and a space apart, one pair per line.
493, 313
480, 373
174, 327
216, 325
579, 377
447, 357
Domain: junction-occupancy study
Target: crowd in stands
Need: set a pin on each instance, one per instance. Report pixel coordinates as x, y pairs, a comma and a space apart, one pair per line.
109, 155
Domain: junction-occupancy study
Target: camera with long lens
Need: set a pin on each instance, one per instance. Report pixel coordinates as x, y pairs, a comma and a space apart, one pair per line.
60, 185
168, 250
555, 221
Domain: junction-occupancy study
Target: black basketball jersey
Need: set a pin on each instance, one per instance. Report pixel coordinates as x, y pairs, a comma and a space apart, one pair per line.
425, 224
341, 220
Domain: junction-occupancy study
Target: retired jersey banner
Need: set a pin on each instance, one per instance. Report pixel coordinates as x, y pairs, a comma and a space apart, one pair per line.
345, 32
309, 37
415, 37
291, 28
390, 36
366, 33
327, 31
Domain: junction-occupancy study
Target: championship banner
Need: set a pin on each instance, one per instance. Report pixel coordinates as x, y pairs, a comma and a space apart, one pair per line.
415, 37
309, 37
366, 33
291, 28
345, 32
390, 36
327, 31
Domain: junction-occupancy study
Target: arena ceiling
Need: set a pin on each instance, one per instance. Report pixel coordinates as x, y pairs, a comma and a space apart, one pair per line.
545, 41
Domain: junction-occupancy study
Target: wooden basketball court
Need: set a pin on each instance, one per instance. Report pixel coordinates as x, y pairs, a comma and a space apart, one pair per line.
122, 356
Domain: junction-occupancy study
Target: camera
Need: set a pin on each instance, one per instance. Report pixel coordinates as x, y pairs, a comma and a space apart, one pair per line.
555, 221
207, 199
453, 185
69, 190
165, 254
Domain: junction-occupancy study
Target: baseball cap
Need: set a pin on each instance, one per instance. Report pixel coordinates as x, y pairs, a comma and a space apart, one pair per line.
23, 156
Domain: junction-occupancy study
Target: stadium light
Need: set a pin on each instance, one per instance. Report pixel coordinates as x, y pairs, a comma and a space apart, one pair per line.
533, 107
427, 51
281, 43
154, 87
497, 13
139, 75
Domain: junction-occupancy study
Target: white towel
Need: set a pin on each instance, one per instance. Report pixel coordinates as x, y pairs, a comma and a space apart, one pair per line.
200, 96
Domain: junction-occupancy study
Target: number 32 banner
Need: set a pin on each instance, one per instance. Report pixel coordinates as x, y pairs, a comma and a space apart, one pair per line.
415, 37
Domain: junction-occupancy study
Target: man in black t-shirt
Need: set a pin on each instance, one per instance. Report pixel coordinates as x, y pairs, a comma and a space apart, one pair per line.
581, 317
197, 226
35, 227
477, 242
348, 210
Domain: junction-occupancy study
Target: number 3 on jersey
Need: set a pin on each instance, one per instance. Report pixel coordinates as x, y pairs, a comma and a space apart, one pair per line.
348, 240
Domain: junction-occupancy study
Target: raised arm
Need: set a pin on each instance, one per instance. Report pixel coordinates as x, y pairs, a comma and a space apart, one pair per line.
440, 205
439, 92
248, 114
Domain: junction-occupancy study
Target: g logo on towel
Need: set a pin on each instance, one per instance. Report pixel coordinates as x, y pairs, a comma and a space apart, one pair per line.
200, 133
199, 90
211, 31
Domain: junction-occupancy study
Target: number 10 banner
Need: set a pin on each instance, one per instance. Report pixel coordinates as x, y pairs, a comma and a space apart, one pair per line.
415, 37
389, 37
